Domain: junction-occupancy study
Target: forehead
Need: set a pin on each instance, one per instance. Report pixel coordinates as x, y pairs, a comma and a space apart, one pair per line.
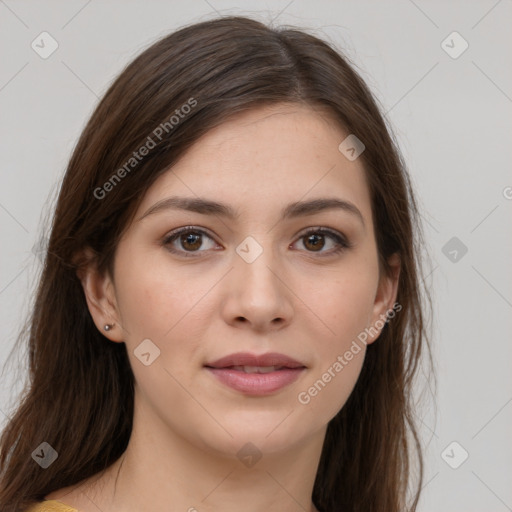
265, 158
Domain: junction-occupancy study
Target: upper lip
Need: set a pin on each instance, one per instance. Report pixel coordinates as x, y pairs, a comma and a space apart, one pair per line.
263, 360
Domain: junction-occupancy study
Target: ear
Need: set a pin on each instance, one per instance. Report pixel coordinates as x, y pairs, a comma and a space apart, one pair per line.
99, 293
385, 298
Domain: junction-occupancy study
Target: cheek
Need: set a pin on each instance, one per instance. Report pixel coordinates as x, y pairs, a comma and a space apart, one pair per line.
165, 308
155, 302
327, 391
342, 304
169, 309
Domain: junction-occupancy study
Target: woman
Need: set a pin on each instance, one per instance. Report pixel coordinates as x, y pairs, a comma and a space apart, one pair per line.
230, 311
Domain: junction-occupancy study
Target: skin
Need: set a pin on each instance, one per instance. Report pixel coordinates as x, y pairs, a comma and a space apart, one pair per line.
308, 304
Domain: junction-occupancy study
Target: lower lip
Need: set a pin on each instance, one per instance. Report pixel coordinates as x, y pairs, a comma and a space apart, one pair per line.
256, 383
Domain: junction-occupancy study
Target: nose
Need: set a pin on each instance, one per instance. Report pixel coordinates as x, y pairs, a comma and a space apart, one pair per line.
258, 296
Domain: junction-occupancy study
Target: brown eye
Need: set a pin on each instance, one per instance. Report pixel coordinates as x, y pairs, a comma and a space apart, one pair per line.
187, 241
315, 240
191, 241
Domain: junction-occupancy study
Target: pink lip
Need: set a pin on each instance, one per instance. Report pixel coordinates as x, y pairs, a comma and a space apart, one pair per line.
256, 384
247, 359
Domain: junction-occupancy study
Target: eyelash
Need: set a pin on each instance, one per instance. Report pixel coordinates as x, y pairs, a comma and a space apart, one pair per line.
341, 242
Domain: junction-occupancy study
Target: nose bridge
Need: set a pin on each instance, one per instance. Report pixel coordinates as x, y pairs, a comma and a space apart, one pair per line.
258, 292
257, 264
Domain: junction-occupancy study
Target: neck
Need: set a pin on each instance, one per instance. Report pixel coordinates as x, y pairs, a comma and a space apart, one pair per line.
192, 479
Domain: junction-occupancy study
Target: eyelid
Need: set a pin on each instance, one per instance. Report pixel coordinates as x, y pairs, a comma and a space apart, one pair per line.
185, 229
324, 230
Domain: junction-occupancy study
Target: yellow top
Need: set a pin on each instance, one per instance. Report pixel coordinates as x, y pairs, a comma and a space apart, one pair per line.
51, 506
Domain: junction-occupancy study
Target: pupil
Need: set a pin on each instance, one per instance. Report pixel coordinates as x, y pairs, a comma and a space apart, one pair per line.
316, 241
190, 238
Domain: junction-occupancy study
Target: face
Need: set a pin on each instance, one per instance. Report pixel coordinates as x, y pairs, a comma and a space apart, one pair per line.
199, 284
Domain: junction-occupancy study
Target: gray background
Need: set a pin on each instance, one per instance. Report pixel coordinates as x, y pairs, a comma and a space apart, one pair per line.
452, 118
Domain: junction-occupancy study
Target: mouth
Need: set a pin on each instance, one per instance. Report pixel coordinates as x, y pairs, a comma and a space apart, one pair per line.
256, 375
255, 369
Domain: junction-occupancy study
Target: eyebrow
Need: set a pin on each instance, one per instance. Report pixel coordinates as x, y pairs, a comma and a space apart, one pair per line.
293, 210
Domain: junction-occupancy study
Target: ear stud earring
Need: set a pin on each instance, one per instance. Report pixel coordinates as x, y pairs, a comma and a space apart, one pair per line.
107, 327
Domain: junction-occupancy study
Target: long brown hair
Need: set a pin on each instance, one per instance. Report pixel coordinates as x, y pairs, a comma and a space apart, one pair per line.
80, 393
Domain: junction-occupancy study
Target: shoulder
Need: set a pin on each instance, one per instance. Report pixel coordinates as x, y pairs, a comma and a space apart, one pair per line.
50, 506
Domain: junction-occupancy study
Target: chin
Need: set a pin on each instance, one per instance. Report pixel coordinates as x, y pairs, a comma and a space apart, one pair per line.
262, 435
